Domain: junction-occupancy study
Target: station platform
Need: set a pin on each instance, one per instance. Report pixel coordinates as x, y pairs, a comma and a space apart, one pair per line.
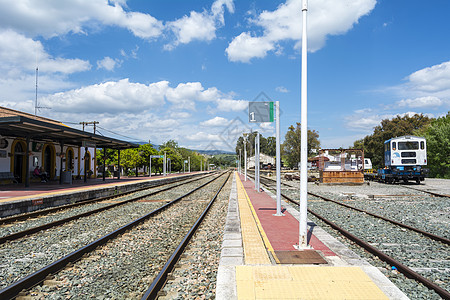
259, 260
15, 198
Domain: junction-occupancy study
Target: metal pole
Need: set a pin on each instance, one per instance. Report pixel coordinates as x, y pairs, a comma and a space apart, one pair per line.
164, 164
278, 162
240, 169
104, 163
245, 158
118, 163
303, 240
189, 165
61, 145
257, 157
256, 169
85, 164
150, 167
27, 162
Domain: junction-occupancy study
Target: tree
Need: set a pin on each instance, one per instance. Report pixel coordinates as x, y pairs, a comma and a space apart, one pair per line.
266, 145
373, 145
129, 159
271, 146
291, 146
437, 135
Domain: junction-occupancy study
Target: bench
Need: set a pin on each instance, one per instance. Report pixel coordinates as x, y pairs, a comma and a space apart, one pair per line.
8, 176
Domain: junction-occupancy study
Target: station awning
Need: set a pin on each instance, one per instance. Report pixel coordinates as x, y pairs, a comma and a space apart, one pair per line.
21, 126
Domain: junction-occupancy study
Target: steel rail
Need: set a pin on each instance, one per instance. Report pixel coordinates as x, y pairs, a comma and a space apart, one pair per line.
427, 192
161, 278
20, 234
420, 231
31, 280
36, 213
425, 233
408, 272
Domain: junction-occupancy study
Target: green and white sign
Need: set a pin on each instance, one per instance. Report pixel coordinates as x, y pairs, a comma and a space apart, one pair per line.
260, 112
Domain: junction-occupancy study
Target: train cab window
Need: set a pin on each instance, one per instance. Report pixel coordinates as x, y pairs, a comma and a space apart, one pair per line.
422, 145
408, 146
394, 146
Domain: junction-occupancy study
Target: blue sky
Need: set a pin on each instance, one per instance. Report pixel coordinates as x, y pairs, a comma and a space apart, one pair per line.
185, 70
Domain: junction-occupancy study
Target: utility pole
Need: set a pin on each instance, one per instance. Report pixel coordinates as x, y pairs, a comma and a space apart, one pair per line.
90, 123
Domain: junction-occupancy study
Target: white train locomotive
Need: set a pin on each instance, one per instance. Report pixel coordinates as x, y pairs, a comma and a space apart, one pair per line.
404, 159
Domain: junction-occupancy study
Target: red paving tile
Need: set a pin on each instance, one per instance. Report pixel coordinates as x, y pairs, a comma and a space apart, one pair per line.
282, 232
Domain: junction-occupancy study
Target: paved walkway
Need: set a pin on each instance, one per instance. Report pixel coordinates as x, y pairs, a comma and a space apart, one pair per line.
254, 240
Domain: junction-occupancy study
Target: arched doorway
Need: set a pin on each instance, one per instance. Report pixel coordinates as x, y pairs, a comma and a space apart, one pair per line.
48, 160
18, 166
87, 163
69, 159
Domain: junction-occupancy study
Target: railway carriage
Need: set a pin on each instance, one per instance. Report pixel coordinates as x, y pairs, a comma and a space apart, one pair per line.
404, 158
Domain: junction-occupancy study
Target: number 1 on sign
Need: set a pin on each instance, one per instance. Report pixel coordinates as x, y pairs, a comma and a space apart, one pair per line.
252, 116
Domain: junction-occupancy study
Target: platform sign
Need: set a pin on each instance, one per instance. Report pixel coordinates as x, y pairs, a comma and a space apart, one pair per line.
157, 156
260, 112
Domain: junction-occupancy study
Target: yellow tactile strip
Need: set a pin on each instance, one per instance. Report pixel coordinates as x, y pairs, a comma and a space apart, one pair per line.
255, 252
300, 282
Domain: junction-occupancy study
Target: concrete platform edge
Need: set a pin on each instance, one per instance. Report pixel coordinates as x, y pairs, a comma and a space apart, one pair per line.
232, 251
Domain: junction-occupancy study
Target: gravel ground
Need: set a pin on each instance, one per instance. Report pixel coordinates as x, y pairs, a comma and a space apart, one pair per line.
196, 276
24, 256
431, 259
125, 267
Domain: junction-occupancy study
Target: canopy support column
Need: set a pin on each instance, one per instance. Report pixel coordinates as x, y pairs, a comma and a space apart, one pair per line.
27, 162
61, 144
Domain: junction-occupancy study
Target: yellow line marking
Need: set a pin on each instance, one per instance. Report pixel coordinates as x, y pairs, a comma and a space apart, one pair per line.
259, 225
254, 247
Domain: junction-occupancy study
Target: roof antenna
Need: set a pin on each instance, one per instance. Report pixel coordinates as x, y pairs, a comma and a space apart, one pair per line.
36, 105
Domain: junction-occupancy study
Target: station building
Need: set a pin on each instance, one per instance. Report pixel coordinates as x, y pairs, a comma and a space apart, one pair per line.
27, 141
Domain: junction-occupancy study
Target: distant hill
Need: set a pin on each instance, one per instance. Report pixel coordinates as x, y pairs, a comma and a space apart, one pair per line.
214, 152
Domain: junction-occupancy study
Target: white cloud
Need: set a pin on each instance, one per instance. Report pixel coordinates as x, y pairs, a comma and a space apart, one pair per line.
180, 114
231, 105
53, 18
200, 26
215, 122
282, 89
421, 102
108, 63
245, 47
111, 97
426, 88
185, 95
433, 79
325, 17
18, 57
202, 136
18, 52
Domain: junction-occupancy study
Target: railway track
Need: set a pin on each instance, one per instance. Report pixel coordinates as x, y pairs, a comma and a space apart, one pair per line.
17, 227
161, 279
47, 211
156, 206
396, 249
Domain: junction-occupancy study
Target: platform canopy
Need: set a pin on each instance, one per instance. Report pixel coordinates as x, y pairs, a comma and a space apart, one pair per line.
51, 131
